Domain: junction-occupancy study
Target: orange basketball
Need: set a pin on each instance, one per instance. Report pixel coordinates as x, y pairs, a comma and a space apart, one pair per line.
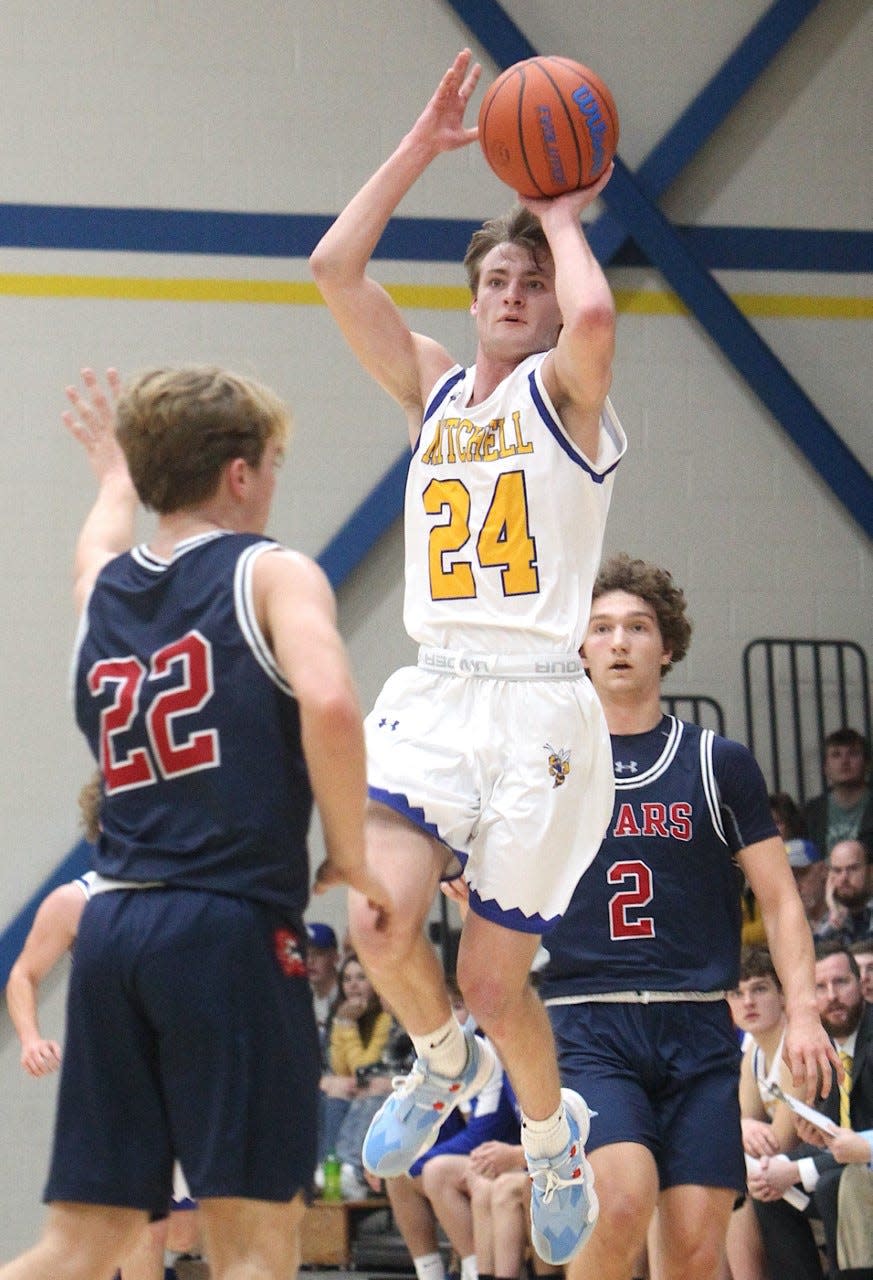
548, 125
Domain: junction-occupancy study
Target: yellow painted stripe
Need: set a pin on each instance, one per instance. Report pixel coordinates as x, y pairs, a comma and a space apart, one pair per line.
650, 302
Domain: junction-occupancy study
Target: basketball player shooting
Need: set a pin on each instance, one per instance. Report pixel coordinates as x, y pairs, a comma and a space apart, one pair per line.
507, 496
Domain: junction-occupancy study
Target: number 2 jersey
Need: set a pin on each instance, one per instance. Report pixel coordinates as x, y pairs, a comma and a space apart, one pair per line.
504, 518
195, 728
659, 907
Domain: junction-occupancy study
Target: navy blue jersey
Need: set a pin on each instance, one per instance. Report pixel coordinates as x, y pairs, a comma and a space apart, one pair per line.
196, 731
659, 908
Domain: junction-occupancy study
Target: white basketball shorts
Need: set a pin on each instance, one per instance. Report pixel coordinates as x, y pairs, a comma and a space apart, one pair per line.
505, 760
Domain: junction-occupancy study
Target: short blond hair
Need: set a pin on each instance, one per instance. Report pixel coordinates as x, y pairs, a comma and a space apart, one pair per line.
178, 429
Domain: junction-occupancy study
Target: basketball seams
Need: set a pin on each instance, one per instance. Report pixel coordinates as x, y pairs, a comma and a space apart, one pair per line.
562, 103
545, 123
520, 129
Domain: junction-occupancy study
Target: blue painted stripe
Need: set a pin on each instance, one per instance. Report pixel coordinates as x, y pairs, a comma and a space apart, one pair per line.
294, 235
697, 123
634, 205
492, 25
739, 342
370, 519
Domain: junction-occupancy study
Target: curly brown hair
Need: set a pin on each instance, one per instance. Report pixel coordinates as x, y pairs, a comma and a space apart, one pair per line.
518, 226
657, 588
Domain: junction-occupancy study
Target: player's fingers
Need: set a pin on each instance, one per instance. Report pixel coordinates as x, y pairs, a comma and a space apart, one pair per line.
113, 378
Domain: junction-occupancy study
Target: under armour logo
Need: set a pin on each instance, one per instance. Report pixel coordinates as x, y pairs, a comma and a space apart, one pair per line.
630, 767
384, 723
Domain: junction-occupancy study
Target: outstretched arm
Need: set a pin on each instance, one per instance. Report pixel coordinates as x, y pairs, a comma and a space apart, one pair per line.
808, 1050
374, 328
109, 526
54, 928
296, 610
578, 373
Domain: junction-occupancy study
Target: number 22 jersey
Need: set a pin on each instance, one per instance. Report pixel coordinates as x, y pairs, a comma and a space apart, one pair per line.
195, 728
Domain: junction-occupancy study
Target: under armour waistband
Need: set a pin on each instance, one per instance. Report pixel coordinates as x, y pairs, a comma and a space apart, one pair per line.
509, 666
638, 997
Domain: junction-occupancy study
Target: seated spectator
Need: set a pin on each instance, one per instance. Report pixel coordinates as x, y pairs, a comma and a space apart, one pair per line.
358, 1035
844, 810
811, 876
855, 1204
790, 822
375, 1082
322, 958
788, 1239
758, 1009
849, 888
494, 1118
862, 950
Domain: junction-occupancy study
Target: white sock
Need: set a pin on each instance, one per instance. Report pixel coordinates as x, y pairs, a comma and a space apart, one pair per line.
445, 1050
429, 1267
543, 1138
469, 1270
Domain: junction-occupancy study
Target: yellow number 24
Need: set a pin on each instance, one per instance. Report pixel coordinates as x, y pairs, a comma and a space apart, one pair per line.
504, 541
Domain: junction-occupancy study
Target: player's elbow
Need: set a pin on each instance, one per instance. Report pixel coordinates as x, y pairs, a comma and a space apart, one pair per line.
328, 267
332, 711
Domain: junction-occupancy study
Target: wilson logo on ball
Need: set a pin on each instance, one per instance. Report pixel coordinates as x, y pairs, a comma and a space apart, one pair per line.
548, 125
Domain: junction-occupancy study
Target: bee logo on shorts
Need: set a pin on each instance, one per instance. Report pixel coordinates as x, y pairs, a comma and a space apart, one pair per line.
559, 764
286, 946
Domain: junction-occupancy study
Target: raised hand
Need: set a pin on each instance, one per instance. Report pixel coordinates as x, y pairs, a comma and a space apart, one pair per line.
441, 124
92, 421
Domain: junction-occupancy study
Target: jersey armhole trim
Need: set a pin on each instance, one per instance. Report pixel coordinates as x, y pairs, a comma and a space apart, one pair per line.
243, 595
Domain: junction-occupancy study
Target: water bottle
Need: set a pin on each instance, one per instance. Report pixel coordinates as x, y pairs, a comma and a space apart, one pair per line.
331, 1169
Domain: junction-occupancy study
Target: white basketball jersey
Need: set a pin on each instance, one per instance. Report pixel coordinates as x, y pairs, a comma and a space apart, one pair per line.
504, 518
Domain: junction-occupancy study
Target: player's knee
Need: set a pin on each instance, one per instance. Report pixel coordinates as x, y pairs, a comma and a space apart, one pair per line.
379, 941
624, 1214
489, 997
507, 1191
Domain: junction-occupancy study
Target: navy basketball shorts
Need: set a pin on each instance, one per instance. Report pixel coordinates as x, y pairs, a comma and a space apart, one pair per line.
190, 1035
665, 1075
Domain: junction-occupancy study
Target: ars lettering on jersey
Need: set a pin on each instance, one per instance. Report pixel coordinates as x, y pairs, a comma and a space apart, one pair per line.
651, 818
460, 440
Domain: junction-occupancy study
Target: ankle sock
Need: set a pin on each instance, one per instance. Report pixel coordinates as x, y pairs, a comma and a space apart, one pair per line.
544, 1138
429, 1266
445, 1049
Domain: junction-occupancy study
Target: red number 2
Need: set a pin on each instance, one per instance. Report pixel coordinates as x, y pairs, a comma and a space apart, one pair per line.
173, 756
638, 877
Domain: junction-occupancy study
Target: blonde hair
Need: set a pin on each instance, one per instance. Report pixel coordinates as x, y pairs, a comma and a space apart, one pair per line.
179, 427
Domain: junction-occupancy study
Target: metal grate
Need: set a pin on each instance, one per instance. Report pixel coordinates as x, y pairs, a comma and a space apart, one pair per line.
796, 692
699, 708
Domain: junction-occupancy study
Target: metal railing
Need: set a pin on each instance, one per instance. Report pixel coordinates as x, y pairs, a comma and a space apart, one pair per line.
699, 708
797, 691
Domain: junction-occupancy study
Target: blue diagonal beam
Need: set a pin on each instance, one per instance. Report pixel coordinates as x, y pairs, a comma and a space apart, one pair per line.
742, 345
638, 214
697, 123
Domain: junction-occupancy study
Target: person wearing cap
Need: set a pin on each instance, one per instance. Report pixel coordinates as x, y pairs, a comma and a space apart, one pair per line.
322, 956
810, 875
862, 950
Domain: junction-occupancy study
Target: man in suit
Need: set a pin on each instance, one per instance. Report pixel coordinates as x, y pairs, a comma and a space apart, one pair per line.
848, 1019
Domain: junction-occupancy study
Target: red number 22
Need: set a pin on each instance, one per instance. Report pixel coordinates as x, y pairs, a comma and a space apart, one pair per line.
192, 655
